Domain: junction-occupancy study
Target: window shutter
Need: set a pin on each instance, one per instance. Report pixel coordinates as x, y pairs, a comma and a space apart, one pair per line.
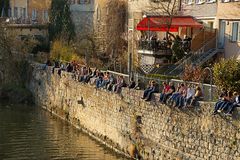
234, 31
238, 31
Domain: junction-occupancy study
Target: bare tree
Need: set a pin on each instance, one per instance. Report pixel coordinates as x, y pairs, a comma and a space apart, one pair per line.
168, 9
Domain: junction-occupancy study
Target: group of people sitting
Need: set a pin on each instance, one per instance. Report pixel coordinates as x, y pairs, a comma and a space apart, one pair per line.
227, 102
101, 80
182, 96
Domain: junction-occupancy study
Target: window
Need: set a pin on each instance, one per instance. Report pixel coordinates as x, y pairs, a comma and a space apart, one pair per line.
235, 31
15, 12
238, 31
24, 13
10, 12
200, 1
98, 14
45, 15
107, 10
224, 1
210, 1
190, 1
83, 1
34, 14
210, 25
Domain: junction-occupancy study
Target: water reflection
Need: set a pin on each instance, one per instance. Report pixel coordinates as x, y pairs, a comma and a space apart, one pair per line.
31, 133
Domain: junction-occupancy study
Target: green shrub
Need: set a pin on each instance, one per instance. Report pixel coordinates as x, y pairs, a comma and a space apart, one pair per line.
62, 51
227, 74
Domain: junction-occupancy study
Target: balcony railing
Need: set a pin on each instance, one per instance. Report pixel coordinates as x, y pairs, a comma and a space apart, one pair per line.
153, 45
29, 21
163, 46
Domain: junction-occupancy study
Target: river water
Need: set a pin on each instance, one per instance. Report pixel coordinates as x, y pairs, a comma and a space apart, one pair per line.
28, 132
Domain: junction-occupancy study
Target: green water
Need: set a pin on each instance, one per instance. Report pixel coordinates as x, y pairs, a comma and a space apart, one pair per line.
28, 132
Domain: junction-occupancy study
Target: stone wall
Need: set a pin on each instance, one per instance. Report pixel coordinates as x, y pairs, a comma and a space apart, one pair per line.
124, 121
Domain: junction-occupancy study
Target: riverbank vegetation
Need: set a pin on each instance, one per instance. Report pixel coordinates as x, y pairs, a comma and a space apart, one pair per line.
13, 65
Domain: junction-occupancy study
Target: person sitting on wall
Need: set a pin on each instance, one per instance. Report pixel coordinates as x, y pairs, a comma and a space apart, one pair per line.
120, 83
224, 98
89, 75
106, 80
112, 81
62, 68
149, 88
95, 76
165, 90
197, 96
169, 92
132, 83
179, 102
154, 88
190, 95
55, 65
236, 103
229, 101
69, 67
48, 63
140, 85
99, 80
171, 99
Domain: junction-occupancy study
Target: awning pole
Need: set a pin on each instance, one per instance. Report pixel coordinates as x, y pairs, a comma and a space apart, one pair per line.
148, 33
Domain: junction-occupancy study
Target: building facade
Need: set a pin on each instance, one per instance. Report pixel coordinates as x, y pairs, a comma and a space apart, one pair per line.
38, 11
18, 9
29, 19
29, 11
204, 11
228, 16
89, 17
82, 15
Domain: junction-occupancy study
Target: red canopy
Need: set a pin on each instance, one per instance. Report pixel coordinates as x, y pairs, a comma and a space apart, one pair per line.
161, 23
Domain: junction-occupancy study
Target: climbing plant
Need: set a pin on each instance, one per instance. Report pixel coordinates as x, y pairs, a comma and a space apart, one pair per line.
61, 24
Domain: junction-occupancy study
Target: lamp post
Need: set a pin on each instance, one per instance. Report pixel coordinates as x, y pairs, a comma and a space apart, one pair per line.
211, 80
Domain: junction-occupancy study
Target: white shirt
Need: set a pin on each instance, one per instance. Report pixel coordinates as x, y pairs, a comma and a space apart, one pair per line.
190, 92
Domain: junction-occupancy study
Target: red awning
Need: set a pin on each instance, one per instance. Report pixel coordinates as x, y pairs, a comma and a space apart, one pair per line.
161, 23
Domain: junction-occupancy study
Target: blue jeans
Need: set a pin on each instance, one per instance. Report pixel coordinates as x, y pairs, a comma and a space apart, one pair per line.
149, 95
217, 105
145, 93
162, 95
180, 101
224, 105
98, 83
188, 101
232, 106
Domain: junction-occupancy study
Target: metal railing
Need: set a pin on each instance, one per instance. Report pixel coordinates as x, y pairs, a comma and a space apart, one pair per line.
210, 92
205, 50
